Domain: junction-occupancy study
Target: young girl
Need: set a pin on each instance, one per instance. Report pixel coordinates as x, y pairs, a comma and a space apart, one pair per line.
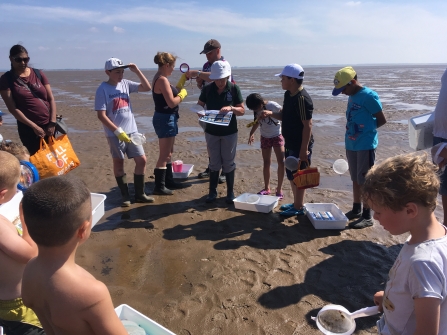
270, 137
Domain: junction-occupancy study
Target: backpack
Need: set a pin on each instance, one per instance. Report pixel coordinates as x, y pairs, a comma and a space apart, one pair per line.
10, 77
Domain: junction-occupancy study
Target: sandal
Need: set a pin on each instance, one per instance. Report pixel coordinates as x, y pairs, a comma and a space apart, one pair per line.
264, 192
280, 195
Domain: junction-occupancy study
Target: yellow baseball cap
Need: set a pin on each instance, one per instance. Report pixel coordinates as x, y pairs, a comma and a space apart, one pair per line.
342, 78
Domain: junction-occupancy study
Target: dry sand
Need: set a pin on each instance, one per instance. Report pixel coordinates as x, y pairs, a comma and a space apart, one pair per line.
197, 268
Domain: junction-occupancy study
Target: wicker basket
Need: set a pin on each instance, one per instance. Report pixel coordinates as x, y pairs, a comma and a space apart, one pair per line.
307, 178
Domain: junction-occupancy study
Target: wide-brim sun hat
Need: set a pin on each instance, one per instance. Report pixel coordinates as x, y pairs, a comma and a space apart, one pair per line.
342, 78
293, 71
220, 69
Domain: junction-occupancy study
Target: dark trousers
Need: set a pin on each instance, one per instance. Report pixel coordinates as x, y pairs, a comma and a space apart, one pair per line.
19, 328
29, 139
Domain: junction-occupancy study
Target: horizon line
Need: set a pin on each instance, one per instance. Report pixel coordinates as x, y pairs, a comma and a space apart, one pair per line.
255, 67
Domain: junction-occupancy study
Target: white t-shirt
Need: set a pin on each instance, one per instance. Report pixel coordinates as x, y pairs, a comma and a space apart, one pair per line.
419, 271
268, 127
115, 101
440, 124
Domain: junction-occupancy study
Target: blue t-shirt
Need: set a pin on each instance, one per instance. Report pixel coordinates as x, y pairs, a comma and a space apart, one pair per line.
361, 125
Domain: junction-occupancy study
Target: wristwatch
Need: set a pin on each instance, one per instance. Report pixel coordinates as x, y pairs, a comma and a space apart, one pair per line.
51, 124
198, 73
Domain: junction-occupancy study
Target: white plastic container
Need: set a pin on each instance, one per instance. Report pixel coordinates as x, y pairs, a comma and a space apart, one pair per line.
339, 222
97, 207
125, 312
10, 210
186, 171
420, 131
264, 204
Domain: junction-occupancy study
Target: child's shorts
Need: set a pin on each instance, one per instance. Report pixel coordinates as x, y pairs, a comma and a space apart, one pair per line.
165, 125
269, 142
296, 154
119, 149
360, 162
16, 318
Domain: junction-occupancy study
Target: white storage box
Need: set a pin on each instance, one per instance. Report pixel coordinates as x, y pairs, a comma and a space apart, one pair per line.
420, 131
151, 327
339, 219
186, 171
97, 207
10, 210
264, 204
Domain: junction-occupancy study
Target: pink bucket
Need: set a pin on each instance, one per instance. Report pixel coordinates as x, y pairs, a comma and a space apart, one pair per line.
177, 166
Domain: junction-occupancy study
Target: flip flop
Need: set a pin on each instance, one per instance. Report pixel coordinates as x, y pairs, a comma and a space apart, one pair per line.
264, 192
280, 195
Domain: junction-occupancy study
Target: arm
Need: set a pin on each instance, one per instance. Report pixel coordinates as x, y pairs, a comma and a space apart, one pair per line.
378, 300
100, 314
17, 113
266, 113
163, 84
19, 249
53, 111
251, 138
307, 130
102, 116
200, 76
427, 311
237, 109
380, 118
145, 86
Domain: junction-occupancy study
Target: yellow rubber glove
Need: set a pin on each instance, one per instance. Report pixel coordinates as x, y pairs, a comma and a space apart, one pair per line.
181, 82
122, 136
182, 94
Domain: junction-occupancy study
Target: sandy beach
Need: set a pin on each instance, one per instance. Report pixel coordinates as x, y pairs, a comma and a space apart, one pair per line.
208, 269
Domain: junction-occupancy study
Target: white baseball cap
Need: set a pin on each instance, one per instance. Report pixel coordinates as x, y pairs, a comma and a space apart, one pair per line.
114, 63
292, 70
220, 69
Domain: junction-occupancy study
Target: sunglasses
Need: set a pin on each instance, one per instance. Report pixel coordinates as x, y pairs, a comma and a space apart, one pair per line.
20, 59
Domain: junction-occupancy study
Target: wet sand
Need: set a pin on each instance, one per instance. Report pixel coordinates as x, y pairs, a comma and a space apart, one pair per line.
198, 268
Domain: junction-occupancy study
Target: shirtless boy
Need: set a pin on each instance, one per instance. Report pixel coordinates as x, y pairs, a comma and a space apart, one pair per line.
66, 298
15, 252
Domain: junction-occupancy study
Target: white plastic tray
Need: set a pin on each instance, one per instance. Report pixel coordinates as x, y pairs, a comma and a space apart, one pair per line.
420, 131
10, 210
340, 219
125, 312
186, 171
97, 207
265, 204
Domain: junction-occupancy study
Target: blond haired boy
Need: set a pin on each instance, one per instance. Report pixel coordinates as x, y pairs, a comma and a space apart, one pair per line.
15, 252
402, 192
66, 298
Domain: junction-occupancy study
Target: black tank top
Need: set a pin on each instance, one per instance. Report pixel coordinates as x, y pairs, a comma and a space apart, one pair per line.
160, 103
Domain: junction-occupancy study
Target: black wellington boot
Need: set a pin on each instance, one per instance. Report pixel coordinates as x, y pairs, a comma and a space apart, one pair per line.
169, 180
230, 184
138, 183
160, 187
122, 184
214, 180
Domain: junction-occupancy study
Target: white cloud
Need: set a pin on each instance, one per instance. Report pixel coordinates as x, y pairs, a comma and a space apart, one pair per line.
94, 29
41, 48
118, 30
353, 3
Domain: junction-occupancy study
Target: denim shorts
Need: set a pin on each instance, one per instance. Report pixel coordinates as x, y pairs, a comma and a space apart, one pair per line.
443, 174
165, 125
296, 154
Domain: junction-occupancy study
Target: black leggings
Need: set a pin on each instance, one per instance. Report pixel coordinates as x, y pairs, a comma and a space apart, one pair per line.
29, 139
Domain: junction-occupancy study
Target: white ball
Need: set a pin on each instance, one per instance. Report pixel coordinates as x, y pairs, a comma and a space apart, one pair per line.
340, 166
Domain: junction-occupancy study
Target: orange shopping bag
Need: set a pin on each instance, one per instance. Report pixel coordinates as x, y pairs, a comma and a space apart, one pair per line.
55, 158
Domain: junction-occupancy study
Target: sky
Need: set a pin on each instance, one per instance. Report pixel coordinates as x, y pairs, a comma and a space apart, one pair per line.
83, 34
